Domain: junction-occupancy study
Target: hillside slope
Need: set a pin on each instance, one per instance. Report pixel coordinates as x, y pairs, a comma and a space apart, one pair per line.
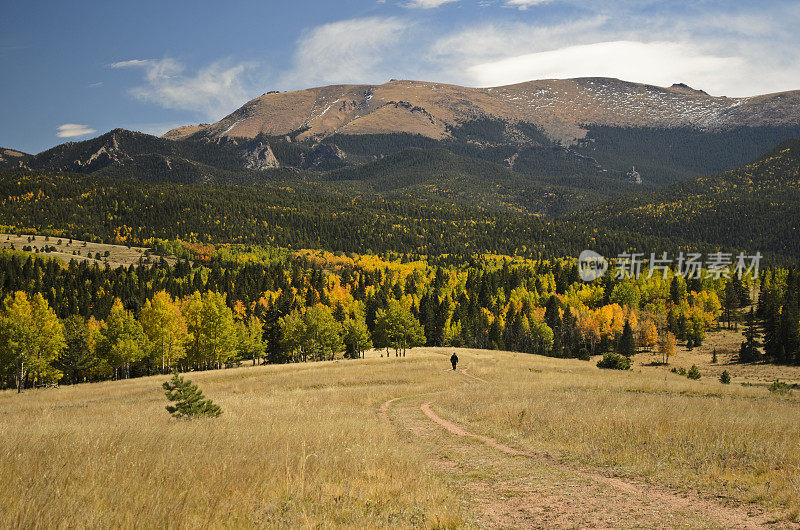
755, 207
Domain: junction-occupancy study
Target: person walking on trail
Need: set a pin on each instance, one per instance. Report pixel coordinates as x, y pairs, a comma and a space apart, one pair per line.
454, 360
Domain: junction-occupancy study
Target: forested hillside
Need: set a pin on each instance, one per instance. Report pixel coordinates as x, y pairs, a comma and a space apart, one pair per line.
756, 207
226, 304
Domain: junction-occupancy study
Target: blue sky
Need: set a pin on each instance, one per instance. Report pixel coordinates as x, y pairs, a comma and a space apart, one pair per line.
73, 70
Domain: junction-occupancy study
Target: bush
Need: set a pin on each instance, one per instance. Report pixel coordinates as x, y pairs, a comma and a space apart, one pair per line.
583, 354
725, 378
189, 400
614, 361
694, 373
779, 387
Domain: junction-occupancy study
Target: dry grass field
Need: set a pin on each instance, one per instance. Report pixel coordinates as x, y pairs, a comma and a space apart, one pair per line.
509, 440
118, 255
727, 343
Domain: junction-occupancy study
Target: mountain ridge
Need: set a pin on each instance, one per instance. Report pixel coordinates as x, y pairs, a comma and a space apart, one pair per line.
562, 108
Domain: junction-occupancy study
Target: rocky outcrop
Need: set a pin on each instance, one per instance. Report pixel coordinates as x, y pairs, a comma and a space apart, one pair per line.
260, 157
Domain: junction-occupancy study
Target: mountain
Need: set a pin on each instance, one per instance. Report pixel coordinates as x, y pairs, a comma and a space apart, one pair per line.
755, 207
564, 109
132, 155
581, 139
428, 201
667, 133
12, 158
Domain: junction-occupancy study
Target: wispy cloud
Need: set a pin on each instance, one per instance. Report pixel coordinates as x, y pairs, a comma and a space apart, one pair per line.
659, 63
349, 51
525, 4
428, 4
129, 63
73, 130
735, 54
213, 91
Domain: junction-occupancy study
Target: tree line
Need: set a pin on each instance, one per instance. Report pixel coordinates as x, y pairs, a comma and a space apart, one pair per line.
264, 306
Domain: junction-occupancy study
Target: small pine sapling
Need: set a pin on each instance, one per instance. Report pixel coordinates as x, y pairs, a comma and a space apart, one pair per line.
189, 400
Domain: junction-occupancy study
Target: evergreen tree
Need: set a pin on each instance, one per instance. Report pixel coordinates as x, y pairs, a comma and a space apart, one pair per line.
189, 400
749, 350
627, 342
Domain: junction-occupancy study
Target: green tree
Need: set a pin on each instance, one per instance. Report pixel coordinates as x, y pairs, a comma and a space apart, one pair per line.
32, 338
323, 334
749, 351
293, 334
251, 339
213, 329
627, 342
355, 336
189, 400
122, 340
396, 327
79, 359
166, 329
541, 338
730, 304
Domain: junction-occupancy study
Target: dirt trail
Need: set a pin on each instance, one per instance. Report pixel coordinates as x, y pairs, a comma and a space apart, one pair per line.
535, 489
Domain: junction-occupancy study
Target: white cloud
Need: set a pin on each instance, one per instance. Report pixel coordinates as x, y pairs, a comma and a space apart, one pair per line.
489, 42
428, 4
735, 54
72, 130
129, 63
525, 4
213, 91
660, 63
350, 51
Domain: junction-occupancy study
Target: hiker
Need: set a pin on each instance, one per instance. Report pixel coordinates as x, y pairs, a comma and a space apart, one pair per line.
454, 360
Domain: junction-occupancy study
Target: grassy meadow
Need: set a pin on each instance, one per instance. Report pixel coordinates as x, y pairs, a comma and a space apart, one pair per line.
306, 445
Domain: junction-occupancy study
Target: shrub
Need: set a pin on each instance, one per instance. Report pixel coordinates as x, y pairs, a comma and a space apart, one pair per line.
694, 373
614, 361
189, 400
583, 354
725, 378
779, 387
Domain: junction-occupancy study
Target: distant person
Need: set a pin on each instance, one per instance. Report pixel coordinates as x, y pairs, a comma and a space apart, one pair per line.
454, 360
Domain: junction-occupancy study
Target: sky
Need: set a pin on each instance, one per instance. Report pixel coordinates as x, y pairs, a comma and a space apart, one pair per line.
74, 70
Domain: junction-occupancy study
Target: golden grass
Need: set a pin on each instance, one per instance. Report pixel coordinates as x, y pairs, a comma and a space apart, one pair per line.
299, 445
304, 445
737, 442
